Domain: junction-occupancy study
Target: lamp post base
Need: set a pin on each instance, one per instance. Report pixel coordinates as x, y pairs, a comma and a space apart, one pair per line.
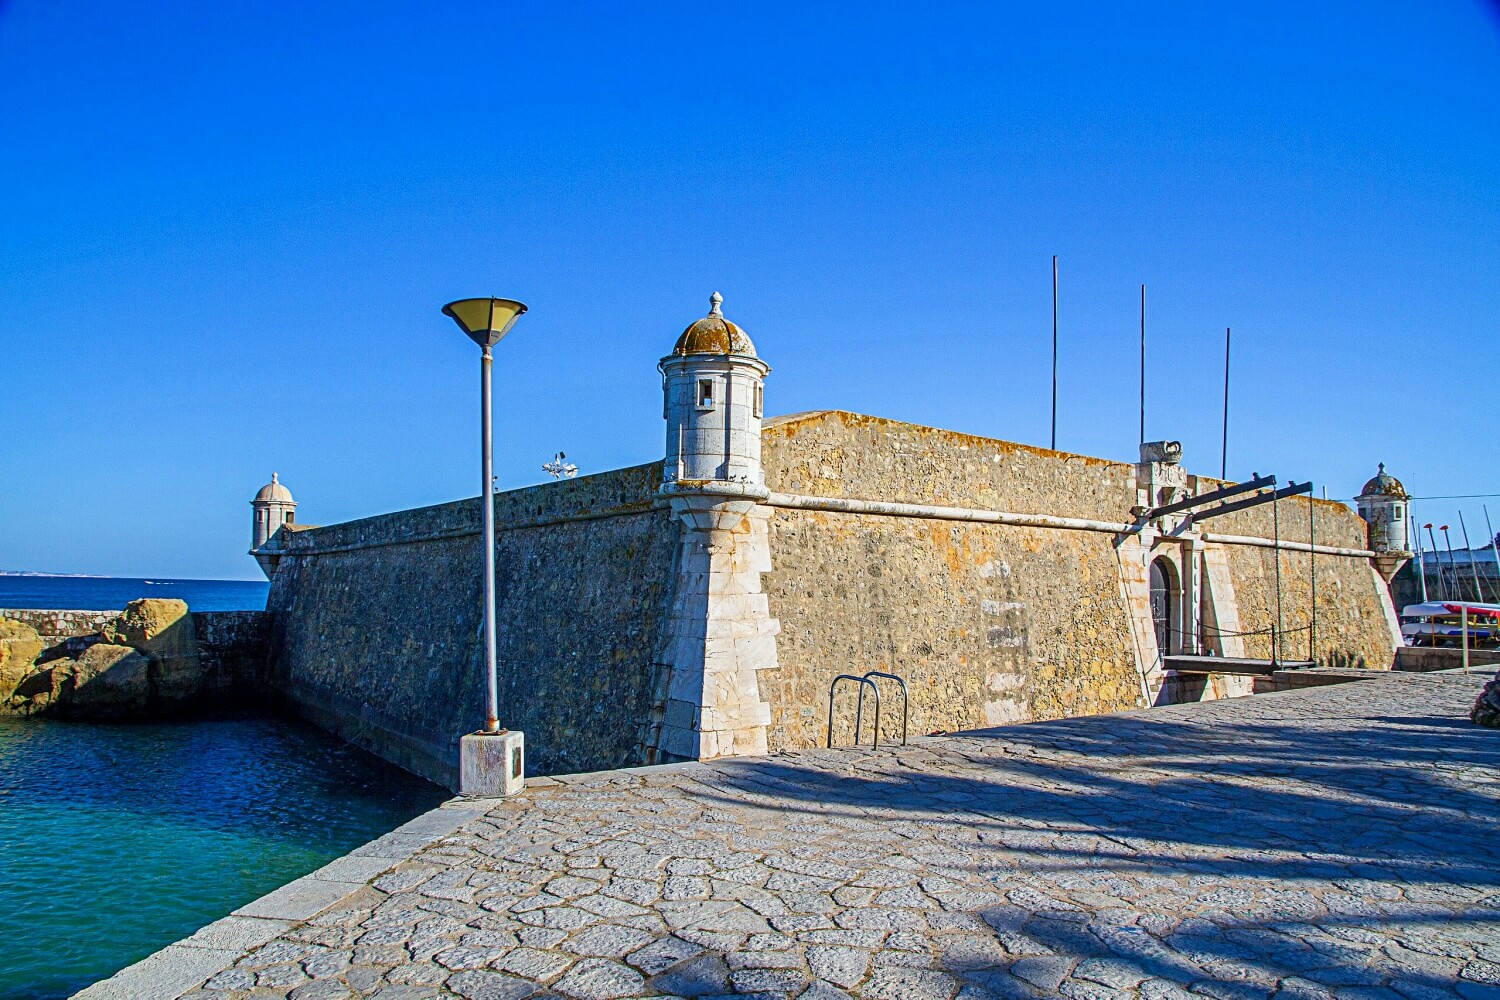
492, 765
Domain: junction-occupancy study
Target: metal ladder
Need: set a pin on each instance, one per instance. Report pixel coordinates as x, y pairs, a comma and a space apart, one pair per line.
859, 705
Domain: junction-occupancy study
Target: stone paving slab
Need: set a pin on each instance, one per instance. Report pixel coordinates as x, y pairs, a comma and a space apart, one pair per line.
1336, 842
178, 968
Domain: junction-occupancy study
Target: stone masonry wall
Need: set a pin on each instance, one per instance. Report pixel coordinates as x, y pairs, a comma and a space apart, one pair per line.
1351, 628
836, 454
992, 623
377, 633
1350, 621
62, 630
987, 623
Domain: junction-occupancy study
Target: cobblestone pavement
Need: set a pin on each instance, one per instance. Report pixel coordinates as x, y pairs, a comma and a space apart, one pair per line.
1338, 842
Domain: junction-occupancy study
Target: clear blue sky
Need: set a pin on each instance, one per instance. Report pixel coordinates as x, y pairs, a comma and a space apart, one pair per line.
228, 228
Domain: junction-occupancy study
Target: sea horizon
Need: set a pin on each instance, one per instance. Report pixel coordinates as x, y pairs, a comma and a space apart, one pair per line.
33, 591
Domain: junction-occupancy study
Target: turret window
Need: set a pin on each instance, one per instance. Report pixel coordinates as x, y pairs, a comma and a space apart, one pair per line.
705, 394
759, 399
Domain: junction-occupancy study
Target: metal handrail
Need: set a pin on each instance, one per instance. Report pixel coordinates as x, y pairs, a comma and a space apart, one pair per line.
905, 703
859, 707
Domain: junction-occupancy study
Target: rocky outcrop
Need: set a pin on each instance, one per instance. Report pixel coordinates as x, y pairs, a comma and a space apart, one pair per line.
19, 647
143, 662
1486, 709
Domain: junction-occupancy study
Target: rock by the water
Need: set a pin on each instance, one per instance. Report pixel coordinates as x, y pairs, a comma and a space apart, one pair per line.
19, 647
146, 663
149, 622
109, 681
1486, 709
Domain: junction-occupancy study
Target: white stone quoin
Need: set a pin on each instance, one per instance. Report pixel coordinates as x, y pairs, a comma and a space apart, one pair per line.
719, 633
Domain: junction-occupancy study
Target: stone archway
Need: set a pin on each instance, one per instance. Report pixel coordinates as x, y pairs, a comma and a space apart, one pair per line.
1164, 599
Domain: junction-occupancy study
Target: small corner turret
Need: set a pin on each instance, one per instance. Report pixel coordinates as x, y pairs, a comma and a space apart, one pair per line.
1383, 504
713, 386
272, 508
720, 633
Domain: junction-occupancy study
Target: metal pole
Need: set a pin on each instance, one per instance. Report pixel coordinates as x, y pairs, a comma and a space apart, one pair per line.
1421, 558
1465, 621
1452, 563
1438, 555
1473, 567
1054, 352
1276, 528
1143, 364
491, 721
1224, 443
1312, 571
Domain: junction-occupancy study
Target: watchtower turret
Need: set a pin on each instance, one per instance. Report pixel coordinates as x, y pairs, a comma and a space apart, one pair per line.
712, 384
1383, 504
272, 507
719, 633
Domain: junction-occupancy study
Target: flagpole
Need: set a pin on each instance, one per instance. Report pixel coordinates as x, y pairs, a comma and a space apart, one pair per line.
1224, 441
1143, 364
1054, 352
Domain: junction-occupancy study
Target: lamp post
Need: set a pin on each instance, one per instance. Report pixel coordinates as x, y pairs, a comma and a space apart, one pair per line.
484, 767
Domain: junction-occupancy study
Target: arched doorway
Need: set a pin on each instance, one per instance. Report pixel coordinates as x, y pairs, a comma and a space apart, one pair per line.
1163, 591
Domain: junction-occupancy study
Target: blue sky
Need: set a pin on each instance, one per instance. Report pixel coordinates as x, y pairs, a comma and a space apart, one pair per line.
228, 229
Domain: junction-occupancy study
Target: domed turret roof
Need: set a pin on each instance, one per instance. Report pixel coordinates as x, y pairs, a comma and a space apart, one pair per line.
1384, 485
274, 492
713, 334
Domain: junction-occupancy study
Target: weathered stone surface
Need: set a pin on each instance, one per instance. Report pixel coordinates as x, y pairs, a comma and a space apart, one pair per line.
992, 624
581, 604
150, 623
19, 648
152, 659
109, 681
1228, 849
161, 630
1486, 710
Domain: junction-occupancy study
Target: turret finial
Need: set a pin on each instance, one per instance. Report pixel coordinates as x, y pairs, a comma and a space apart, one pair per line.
273, 477
714, 301
1382, 468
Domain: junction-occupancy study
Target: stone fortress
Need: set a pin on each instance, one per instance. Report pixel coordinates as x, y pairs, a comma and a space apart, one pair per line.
700, 606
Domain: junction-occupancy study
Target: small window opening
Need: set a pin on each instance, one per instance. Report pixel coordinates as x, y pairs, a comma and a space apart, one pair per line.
288, 518
1397, 511
759, 399
705, 393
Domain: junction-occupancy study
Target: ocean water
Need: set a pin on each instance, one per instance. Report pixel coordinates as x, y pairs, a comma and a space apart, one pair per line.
90, 593
116, 840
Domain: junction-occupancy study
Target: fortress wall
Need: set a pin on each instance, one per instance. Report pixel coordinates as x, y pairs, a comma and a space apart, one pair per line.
233, 647
988, 623
378, 623
836, 454
1351, 626
1333, 523
994, 623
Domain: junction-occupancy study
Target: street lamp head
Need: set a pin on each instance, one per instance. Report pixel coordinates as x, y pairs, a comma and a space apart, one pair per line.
485, 321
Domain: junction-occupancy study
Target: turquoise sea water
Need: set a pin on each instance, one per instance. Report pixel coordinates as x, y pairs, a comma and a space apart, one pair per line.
116, 840
95, 593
